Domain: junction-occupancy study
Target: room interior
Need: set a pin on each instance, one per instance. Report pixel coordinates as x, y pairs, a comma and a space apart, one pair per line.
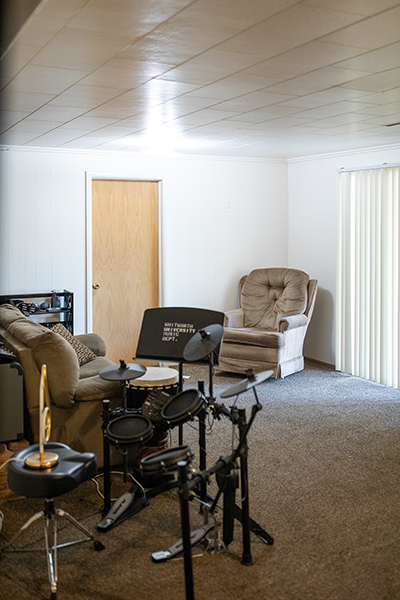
243, 113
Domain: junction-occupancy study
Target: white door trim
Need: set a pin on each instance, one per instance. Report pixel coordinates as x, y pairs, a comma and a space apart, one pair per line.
89, 257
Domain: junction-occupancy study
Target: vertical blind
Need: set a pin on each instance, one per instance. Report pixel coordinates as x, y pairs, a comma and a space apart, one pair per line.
367, 319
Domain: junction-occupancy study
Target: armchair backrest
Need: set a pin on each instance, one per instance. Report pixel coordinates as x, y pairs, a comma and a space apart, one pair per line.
267, 295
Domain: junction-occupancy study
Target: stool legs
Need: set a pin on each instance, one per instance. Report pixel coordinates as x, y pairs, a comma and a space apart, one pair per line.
29, 522
50, 535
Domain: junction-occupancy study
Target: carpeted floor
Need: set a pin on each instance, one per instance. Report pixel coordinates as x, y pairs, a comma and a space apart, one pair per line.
324, 466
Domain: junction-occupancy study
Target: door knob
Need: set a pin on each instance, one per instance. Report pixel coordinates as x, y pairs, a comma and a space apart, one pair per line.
95, 286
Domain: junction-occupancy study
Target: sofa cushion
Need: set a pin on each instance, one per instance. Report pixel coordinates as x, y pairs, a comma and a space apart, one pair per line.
83, 353
94, 342
95, 388
94, 367
270, 294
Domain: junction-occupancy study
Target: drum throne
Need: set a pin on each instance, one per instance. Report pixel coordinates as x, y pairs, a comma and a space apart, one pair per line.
73, 468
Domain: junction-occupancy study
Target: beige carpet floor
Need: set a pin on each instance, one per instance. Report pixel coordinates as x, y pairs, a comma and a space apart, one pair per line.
324, 470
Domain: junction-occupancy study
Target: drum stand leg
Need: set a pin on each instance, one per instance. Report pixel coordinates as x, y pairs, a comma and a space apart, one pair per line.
185, 524
180, 389
244, 485
202, 448
106, 459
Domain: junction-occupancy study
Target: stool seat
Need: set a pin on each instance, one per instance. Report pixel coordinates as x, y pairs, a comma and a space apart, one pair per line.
72, 469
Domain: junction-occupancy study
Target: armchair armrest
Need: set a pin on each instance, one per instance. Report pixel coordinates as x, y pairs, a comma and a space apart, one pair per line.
234, 318
292, 322
94, 342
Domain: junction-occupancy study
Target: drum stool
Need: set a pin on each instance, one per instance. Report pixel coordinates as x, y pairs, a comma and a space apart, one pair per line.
72, 469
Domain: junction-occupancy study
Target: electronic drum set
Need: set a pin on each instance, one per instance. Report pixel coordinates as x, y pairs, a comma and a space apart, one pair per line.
148, 422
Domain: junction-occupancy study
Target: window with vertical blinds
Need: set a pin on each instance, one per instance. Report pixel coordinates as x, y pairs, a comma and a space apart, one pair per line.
367, 323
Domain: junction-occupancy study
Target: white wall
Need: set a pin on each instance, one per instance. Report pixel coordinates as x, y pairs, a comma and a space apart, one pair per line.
205, 247
313, 231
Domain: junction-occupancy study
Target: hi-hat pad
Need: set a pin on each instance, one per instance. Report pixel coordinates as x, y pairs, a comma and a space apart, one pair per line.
246, 384
123, 372
203, 342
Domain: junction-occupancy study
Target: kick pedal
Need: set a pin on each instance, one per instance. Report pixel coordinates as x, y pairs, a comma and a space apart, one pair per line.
125, 507
195, 537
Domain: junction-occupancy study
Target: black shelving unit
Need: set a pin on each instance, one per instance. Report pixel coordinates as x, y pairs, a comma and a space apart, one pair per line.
64, 313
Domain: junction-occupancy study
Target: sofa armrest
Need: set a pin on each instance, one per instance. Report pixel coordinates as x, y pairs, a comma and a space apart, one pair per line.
292, 322
94, 342
234, 318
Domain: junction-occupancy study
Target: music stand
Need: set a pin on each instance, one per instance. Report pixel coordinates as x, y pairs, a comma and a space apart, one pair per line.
165, 332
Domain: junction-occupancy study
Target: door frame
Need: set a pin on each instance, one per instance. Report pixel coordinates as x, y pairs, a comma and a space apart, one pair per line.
90, 176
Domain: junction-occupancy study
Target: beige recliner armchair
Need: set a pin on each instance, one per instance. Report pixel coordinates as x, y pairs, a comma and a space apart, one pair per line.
269, 328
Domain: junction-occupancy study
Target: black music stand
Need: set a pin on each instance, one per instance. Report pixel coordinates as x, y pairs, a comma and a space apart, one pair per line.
165, 332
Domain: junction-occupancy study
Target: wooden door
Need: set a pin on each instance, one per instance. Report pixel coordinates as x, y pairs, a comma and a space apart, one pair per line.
125, 261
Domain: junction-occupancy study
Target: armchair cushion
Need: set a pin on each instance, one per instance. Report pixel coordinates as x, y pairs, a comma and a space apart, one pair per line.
255, 337
268, 295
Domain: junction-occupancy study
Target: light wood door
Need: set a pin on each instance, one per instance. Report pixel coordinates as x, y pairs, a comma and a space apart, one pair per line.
125, 263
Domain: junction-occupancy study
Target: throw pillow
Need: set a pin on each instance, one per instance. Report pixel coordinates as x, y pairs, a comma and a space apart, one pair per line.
83, 353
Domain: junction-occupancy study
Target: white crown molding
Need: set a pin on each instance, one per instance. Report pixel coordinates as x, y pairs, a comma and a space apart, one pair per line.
141, 155
198, 157
344, 153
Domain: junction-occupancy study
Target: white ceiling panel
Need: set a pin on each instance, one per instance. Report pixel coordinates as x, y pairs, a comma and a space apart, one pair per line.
235, 86
376, 60
235, 13
210, 66
89, 96
44, 80
378, 82
359, 7
288, 29
125, 74
52, 112
80, 49
126, 17
304, 59
377, 31
16, 138
381, 98
273, 79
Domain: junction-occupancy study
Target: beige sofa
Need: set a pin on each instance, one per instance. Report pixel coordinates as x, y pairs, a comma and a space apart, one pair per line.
76, 392
268, 330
